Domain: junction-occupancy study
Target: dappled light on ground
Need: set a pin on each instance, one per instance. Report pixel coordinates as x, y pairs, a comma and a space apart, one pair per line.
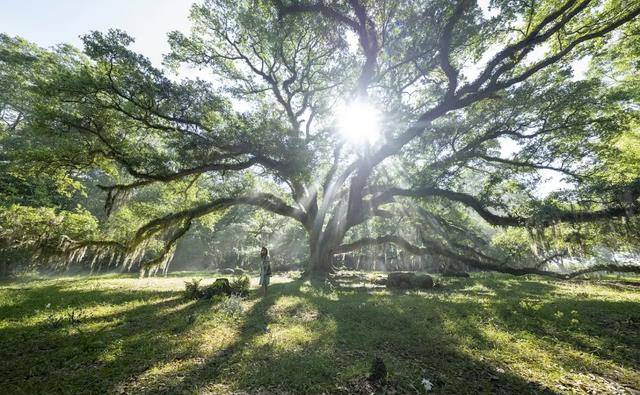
486, 333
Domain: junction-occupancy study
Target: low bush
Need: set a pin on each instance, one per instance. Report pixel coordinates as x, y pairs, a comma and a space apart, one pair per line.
423, 281
240, 286
404, 280
192, 289
231, 306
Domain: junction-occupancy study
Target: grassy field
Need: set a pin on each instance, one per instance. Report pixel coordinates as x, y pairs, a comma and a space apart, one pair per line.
488, 333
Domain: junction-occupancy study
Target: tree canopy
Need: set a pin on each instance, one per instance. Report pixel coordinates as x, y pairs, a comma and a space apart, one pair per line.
451, 85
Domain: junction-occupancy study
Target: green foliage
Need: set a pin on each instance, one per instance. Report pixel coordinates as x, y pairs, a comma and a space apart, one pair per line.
220, 288
231, 306
515, 243
192, 289
240, 285
43, 230
164, 149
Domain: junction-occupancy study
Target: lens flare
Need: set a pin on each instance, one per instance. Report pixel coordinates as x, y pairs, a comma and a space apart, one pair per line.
358, 123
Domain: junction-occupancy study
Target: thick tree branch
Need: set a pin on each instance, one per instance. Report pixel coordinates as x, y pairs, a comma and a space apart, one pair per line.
265, 201
479, 207
369, 241
316, 8
526, 44
433, 248
444, 49
363, 27
116, 190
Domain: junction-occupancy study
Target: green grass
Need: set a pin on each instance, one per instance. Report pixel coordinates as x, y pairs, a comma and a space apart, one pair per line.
488, 333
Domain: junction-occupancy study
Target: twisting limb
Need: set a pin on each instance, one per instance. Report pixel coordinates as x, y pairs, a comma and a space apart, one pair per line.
531, 165
363, 27
508, 220
526, 44
472, 92
495, 84
117, 191
265, 201
316, 8
444, 48
183, 219
369, 241
433, 248
167, 250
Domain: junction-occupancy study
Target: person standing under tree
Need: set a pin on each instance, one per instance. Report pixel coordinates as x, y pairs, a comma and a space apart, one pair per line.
265, 269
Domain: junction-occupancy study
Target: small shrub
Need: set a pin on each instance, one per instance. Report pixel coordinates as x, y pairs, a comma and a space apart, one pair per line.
404, 280
53, 321
400, 280
58, 320
192, 289
240, 286
378, 371
231, 306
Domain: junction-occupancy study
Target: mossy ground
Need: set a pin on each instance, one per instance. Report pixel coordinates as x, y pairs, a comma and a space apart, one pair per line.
488, 333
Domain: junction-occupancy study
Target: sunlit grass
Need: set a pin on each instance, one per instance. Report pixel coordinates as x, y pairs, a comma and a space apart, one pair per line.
489, 333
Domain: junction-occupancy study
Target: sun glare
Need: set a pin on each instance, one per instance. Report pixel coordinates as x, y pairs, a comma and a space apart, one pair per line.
358, 123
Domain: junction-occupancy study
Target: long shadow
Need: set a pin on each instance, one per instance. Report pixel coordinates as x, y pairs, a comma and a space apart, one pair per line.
63, 357
410, 334
606, 329
301, 338
256, 323
416, 335
31, 300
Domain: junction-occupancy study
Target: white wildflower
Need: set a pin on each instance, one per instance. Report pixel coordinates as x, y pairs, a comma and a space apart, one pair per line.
428, 385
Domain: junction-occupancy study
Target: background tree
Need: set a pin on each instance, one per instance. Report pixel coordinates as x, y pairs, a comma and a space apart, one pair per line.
449, 82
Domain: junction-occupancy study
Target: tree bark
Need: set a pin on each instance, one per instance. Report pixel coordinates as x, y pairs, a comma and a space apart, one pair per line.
320, 265
320, 254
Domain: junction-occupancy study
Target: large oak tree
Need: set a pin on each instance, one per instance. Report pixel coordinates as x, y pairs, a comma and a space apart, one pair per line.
452, 84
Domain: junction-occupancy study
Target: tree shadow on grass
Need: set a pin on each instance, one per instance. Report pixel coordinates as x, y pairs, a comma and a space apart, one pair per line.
324, 341
301, 338
606, 330
84, 351
256, 322
588, 331
320, 343
419, 338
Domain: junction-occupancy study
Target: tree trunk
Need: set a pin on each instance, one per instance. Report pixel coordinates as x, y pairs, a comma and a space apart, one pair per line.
320, 254
321, 264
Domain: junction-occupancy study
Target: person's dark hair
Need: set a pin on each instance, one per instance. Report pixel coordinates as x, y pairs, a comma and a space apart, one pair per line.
264, 252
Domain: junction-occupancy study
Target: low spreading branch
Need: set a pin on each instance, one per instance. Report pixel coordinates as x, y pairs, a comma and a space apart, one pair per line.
557, 216
433, 248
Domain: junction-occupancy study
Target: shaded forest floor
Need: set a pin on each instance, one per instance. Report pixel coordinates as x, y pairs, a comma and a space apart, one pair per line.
487, 333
